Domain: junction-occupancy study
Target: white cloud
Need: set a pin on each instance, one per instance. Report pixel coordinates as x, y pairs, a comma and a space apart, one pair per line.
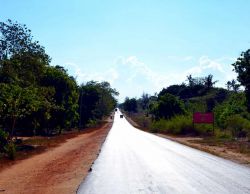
221, 68
138, 70
206, 64
130, 76
109, 75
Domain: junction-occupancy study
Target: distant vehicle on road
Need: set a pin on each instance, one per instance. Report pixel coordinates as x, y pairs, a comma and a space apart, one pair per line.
121, 116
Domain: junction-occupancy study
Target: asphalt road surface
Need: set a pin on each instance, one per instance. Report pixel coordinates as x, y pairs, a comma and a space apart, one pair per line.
133, 162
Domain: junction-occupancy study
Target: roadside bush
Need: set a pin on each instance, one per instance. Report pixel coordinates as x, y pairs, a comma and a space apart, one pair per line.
203, 129
223, 134
3, 140
239, 126
236, 104
10, 150
181, 124
167, 107
92, 123
7, 147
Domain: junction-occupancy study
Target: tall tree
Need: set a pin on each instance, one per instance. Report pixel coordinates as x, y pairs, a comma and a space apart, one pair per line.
130, 105
242, 67
145, 101
233, 85
96, 100
16, 103
167, 106
208, 81
15, 39
66, 96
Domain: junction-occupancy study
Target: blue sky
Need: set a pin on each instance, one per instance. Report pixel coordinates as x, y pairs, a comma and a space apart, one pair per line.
138, 46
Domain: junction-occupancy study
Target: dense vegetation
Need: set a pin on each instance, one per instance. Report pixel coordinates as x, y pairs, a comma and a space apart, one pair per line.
170, 111
39, 99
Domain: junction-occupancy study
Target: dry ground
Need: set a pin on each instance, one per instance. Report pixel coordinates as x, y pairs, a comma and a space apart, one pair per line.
59, 169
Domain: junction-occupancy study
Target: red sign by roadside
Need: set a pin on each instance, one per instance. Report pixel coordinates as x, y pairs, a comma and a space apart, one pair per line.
199, 117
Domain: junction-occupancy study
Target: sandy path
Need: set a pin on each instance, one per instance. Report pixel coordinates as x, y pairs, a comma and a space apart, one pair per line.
58, 170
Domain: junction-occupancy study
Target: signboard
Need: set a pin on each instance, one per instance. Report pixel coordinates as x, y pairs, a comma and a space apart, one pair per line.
199, 117
207, 118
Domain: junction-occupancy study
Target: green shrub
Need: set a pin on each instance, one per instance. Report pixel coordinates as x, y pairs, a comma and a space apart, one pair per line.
3, 140
239, 126
167, 107
236, 104
92, 123
10, 150
203, 129
181, 124
223, 134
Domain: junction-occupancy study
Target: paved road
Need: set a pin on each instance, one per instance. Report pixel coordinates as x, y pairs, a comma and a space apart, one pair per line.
133, 162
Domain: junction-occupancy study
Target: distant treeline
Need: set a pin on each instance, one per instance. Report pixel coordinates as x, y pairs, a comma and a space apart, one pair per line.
39, 99
170, 111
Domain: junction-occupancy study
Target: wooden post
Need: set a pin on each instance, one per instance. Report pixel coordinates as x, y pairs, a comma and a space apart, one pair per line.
193, 119
213, 123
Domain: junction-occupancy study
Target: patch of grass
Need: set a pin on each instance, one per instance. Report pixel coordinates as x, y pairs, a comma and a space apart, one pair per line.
181, 124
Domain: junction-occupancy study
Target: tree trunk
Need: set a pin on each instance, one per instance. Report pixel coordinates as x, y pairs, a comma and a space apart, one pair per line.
12, 127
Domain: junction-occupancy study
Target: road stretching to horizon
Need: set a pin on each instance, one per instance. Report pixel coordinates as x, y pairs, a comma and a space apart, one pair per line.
136, 162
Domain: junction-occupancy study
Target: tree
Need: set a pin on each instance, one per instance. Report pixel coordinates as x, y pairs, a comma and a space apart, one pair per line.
130, 105
208, 81
88, 99
233, 85
145, 101
36, 98
191, 80
16, 103
25, 69
242, 67
168, 106
16, 39
66, 97
96, 100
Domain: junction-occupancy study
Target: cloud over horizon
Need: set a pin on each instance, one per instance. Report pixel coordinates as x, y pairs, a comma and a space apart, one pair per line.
131, 77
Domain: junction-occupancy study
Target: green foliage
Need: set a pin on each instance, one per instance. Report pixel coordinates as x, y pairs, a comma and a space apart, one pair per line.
3, 140
195, 87
7, 147
233, 85
242, 67
16, 103
96, 100
144, 101
181, 124
10, 150
234, 105
223, 134
130, 105
65, 97
39, 99
15, 39
239, 126
168, 106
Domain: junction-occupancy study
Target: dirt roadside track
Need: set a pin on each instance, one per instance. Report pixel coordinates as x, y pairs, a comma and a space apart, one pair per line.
59, 170
221, 151
194, 142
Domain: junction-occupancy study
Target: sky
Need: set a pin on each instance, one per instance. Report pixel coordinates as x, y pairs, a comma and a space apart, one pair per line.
138, 46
